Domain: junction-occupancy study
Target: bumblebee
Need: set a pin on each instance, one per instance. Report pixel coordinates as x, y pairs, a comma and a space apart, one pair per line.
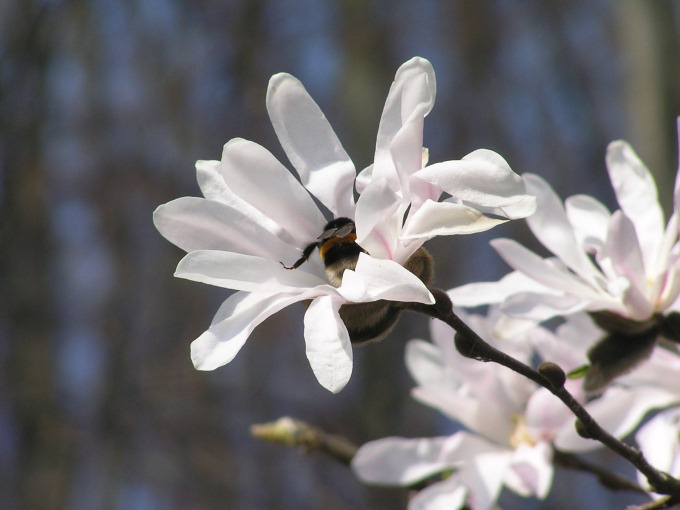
339, 251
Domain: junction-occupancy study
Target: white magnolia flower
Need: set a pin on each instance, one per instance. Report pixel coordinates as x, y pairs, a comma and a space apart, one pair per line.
399, 182
512, 424
256, 217
626, 262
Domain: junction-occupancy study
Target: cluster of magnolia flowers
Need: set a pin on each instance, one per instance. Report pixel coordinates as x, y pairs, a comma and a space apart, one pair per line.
278, 239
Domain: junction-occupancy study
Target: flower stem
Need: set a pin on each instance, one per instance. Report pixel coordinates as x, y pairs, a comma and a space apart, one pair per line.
471, 345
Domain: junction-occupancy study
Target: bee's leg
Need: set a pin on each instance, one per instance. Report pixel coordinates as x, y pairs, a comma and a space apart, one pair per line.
305, 256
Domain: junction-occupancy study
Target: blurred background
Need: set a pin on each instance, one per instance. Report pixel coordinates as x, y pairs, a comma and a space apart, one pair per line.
105, 105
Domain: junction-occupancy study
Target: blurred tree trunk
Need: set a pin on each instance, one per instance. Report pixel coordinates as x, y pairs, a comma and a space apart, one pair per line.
41, 474
648, 37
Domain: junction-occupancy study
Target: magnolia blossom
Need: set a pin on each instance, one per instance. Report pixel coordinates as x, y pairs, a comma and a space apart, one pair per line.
511, 423
626, 262
256, 217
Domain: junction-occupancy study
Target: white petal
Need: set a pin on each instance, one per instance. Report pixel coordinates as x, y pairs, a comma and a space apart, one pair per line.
622, 252
540, 307
243, 272
482, 178
399, 461
210, 179
235, 320
484, 293
379, 217
383, 279
329, 350
255, 175
446, 218
589, 219
539, 269
449, 494
531, 470
410, 99
425, 362
311, 145
194, 223
552, 228
636, 193
658, 440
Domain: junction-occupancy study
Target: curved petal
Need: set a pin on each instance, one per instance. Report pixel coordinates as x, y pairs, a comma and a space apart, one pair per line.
552, 228
636, 193
194, 223
446, 218
243, 272
658, 440
410, 99
256, 176
329, 350
590, 219
237, 318
482, 178
311, 145
382, 279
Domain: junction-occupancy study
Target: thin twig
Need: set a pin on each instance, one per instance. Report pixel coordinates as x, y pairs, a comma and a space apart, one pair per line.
471, 345
293, 432
610, 480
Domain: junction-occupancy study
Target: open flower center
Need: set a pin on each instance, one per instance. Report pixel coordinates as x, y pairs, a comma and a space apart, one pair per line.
520, 434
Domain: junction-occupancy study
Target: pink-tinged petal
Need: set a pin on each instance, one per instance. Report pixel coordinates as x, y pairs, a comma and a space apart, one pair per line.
311, 145
329, 350
449, 494
376, 279
236, 319
400, 461
243, 272
400, 138
255, 175
589, 219
552, 228
484, 293
636, 193
531, 470
666, 286
539, 269
379, 217
446, 218
482, 178
194, 223
622, 253
618, 411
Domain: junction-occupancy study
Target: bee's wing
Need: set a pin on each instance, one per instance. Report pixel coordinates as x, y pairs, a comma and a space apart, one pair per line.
336, 232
